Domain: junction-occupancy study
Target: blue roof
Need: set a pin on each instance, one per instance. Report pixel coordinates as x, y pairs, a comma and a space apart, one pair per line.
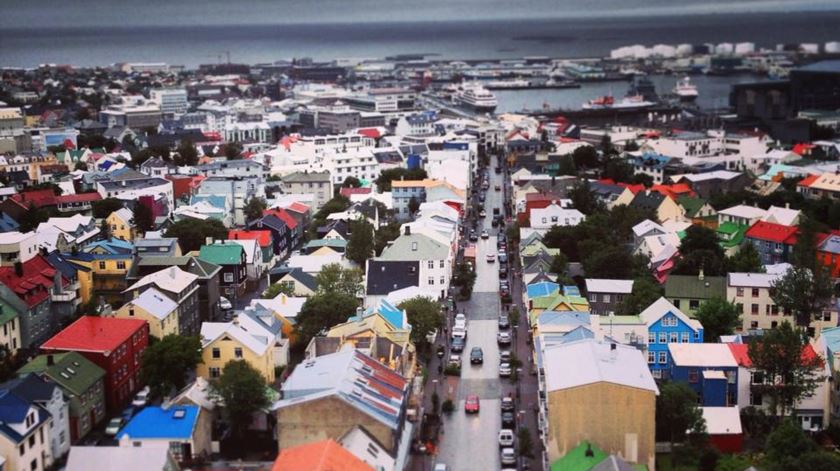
7, 223
650, 159
786, 170
13, 409
391, 313
831, 337
156, 422
832, 66
578, 333
564, 318
112, 246
543, 288
571, 290
217, 201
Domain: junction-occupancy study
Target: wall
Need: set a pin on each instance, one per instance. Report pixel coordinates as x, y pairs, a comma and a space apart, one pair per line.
264, 364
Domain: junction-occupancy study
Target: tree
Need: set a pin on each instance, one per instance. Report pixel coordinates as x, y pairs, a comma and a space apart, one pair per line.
631, 146
103, 208
33, 216
233, 151
464, 278
143, 218
186, 155
276, 290
386, 234
351, 182
80, 166
585, 157
700, 249
559, 264
788, 374
603, 260
584, 199
719, 317
192, 234
618, 170
423, 315
677, 413
254, 208
8, 363
167, 363
746, 260
607, 147
801, 293
413, 205
322, 311
645, 292
383, 181
335, 279
566, 166
242, 391
361, 245
787, 443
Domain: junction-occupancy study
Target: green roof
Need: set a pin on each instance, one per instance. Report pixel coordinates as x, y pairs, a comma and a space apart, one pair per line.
622, 320
576, 459
70, 370
332, 243
691, 204
221, 254
731, 234
692, 287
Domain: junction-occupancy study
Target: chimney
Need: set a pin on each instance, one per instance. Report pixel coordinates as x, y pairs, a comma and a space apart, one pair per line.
701, 276
208, 241
407, 230
50, 360
589, 452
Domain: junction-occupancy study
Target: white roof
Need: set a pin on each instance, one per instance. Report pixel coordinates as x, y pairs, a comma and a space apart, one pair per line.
589, 361
286, 306
783, 216
400, 295
646, 226
744, 211
210, 331
313, 264
778, 268
67, 224
597, 285
722, 420
753, 280
171, 279
85, 458
125, 214
713, 374
702, 354
251, 248
15, 237
674, 226
155, 303
699, 177
662, 306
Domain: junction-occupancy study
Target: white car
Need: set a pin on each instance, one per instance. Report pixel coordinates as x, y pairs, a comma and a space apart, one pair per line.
491, 258
225, 304
460, 317
506, 438
508, 456
459, 333
114, 426
142, 398
454, 360
460, 324
504, 369
441, 467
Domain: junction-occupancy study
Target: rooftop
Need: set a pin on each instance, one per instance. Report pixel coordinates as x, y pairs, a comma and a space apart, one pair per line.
588, 362
94, 334
155, 422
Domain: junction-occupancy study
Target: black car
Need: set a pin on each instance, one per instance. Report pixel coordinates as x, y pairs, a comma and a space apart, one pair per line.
498, 169
495, 222
508, 420
473, 236
481, 197
507, 404
476, 356
458, 344
504, 323
503, 272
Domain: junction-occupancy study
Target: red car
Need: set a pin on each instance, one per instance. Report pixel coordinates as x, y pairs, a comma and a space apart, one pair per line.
471, 405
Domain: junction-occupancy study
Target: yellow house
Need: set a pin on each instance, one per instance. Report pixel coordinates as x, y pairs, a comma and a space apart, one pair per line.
223, 342
285, 309
103, 269
155, 308
298, 282
121, 224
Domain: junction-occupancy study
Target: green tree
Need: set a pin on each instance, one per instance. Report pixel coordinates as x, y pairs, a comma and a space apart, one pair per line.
631, 146
351, 182
383, 182
322, 311
167, 363
241, 390
192, 234
335, 279
254, 208
677, 413
33, 216
526, 443
602, 260
413, 205
584, 199
233, 151
788, 375
186, 155
559, 264
618, 170
47, 186
143, 218
786, 444
645, 291
276, 289
9, 363
385, 234
746, 260
585, 157
700, 249
801, 293
103, 208
566, 166
464, 278
719, 317
607, 147
361, 245
424, 316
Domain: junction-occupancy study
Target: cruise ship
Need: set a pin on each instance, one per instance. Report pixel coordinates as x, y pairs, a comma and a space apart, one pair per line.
476, 97
608, 103
685, 90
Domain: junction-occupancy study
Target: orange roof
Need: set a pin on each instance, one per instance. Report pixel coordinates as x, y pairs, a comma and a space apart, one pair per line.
262, 237
807, 181
674, 191
325, 455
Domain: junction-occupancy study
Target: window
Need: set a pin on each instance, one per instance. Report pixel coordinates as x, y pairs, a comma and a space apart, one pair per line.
663, 337
34, 464
237, 352
657, 374
431, 264
442, 280
214, 372
756, 399
692, 376
216, 353
674, 337
120, 265
606, 298
651, 358
676, 303
22, 449
753, 324
693, 304
755, 292
663, 358
101, 265
414, 246
739, 292
31, 441
228, 277
651, 337
431, 281
684, 337
697, 336
442, 263
754, 309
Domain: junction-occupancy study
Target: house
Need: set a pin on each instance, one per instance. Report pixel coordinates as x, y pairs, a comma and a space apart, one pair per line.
329, 395
262, 322
122, 225
709, 369
232, 259
689, 292
279, 232
67, 233
812, 412
101, 269
773, 242
828, 253
184, 430
666, 324
435, 258
115, 345
255, 266
827, 346
76, 203
751, 293
555, 215
652, 165
605, 295
367, 448
587, 457
723, 424
741, 214
645, 229
698, 211
662, 206
156, 308
601, 392
48, 395
708, 184
317, 184
25, 428
731, 237
222, 342
180, 287
263, 238
298, 282
384, 276
85, 458
294, 227
818, 186
207, 273
82, 382
324, 455
158, 247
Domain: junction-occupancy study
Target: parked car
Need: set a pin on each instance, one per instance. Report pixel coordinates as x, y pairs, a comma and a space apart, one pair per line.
491, 258
508, 420
498, 169
481, 198
460, 317
458, 344
507, 404
142, 398
114, 426
508, 456
498, 188
503, 271
476, 356
225, 304
504, 356
504, 323
441, 467
502, 256
459, 332
503, 338
483, 213
473, 236
504, 370
495, 222
454, 360
506, 438
472, 404
484, 234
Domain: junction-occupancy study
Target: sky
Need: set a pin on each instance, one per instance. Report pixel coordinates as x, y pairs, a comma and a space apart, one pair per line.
31, 14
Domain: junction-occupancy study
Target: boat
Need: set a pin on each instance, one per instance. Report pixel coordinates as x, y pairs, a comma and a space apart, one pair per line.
476, 97
507, 84
685, 90
643, 86
607, 102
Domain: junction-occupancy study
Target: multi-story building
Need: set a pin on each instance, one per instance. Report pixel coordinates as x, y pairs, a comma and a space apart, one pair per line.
384, 100
139, 116
751, 293
666, 325
178, 286
102, 269
358, 162
115, 345
606, 295
240, 190
232, 259
434, 257
121, 224
25, 435
688, 292
223, 342
155, 308
773, 242
709, 369
233, 168
172, 101
132, 190
317, 184
36, 390
83, 384
555, 215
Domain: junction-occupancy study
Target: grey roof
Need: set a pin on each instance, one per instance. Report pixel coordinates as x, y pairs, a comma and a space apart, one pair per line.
831, 244
831, 66
298, 274
304, 177
403, 248
137, 184
647, 200
384, 276
612, 463
31, 387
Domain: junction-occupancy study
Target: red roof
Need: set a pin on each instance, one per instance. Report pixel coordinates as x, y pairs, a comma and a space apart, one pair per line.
802, 149
773, 232
262, 237
808, 181
281, 214
324, 455
741, 352
298, 207
78, 198
674, 191
354, 191
372, 133
34, 284
39, 198
94, 334
530, 197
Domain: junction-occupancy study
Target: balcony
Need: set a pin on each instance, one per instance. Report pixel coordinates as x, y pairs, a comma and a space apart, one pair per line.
63, 297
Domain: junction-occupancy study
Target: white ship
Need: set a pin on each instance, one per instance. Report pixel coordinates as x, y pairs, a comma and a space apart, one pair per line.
609, 103
476, 97
685, 90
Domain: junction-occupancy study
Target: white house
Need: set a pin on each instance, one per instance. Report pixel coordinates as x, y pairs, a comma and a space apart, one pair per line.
555, 215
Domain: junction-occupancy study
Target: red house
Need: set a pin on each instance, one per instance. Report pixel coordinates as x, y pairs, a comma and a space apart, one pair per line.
828, 253
723, 424
116, 345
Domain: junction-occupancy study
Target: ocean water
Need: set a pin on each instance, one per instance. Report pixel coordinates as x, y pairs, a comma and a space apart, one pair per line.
191, 44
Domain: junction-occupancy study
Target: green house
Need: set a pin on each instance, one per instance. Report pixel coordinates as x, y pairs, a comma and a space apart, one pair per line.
687, 292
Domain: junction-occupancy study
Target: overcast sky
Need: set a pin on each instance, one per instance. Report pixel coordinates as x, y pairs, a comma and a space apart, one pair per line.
87, 13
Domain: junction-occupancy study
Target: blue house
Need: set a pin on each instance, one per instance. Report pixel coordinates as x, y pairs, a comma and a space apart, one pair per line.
184, 428
709, 369
667, 325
